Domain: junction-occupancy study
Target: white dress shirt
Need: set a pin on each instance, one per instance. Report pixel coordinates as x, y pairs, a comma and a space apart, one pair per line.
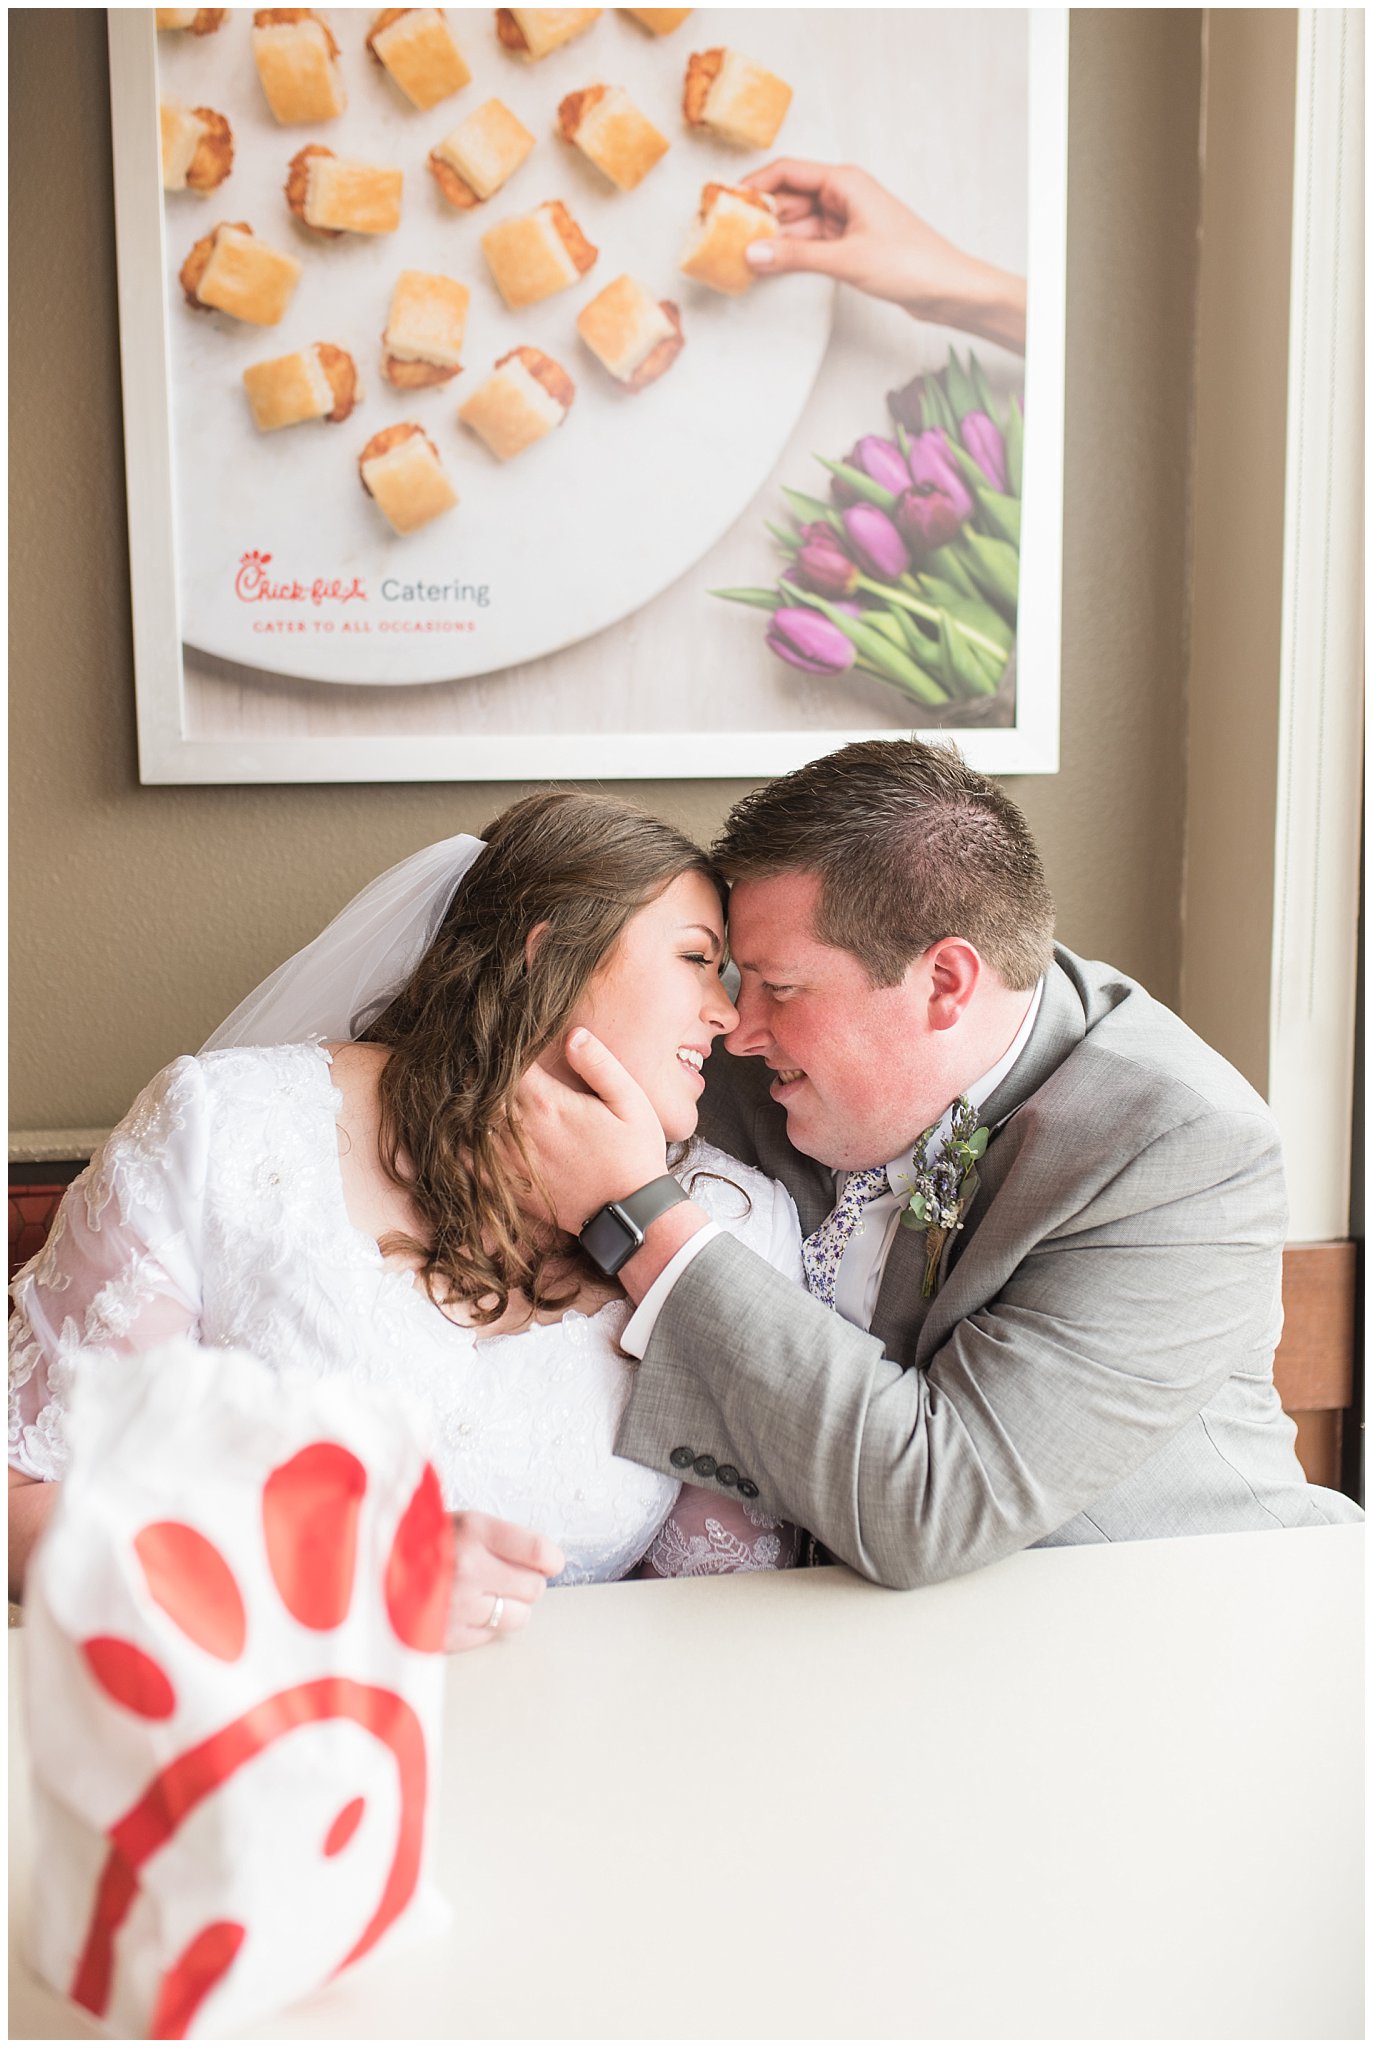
865, 1256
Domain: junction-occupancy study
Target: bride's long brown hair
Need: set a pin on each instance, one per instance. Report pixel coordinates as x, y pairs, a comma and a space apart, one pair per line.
480, 1008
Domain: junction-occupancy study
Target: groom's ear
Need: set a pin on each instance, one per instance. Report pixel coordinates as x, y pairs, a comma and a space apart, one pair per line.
533, 942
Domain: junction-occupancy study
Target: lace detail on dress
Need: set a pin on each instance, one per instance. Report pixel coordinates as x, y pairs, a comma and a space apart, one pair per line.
131, 1164
41, 1446
47, 1266
116, 1306
676, 1553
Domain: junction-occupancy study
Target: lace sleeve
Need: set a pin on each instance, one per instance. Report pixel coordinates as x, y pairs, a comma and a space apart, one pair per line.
121, 1268
706, 1534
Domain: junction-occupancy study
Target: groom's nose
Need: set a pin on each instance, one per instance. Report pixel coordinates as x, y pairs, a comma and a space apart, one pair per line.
750, 1033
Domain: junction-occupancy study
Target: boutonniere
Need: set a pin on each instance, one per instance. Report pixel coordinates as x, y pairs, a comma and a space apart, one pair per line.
939, 1190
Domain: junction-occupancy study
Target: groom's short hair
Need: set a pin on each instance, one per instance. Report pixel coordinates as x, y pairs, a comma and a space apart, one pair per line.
911, 846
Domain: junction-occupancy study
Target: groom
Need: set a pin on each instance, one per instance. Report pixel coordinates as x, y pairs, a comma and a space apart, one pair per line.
1044, 1222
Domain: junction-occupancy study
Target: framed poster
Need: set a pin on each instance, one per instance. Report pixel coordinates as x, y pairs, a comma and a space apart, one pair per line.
394, 517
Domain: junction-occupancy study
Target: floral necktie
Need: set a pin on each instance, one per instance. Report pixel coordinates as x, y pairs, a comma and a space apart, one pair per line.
823, 1250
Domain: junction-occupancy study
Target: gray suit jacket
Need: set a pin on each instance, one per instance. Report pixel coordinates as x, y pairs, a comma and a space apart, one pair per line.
1097, 1363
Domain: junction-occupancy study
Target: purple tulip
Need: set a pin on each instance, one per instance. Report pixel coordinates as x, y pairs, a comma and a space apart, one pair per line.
876, 542
982, 439
879, 459
882, 461
820, 563
927, 518
932, 463
907, 405
809, 642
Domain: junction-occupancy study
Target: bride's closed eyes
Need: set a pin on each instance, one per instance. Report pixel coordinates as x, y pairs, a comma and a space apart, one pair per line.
660, 1024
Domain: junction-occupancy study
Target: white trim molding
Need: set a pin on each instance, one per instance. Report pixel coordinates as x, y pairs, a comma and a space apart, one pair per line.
1316, 854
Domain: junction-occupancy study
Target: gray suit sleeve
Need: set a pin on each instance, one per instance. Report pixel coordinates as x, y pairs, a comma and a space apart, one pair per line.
1106, 1337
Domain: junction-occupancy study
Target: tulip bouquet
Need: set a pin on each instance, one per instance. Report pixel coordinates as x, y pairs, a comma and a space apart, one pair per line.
911, 570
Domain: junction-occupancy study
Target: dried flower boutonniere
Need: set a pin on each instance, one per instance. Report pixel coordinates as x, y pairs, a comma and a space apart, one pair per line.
940, 1189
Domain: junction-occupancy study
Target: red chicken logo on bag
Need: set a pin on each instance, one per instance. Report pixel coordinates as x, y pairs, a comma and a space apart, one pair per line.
232, 1856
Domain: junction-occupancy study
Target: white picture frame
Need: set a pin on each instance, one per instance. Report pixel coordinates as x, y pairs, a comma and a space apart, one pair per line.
324, 737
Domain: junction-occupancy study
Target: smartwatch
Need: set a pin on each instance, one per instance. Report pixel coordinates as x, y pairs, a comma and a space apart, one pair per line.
615, 1233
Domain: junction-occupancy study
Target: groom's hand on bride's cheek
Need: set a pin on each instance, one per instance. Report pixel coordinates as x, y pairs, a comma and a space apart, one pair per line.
593, 1148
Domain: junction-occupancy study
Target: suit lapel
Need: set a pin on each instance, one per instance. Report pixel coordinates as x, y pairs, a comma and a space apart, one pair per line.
900, 1318
1060, 1026
901, 1307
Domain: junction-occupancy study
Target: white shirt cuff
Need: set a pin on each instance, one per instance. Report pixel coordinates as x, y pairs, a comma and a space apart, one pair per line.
637, 1331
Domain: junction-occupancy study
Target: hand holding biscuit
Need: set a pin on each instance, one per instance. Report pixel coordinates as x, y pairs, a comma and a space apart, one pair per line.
840, 222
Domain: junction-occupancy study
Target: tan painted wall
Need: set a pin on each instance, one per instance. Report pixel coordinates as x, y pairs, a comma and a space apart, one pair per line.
139, 916
1241, 460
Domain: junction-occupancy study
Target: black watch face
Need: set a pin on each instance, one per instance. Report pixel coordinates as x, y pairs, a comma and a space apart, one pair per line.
608, 1241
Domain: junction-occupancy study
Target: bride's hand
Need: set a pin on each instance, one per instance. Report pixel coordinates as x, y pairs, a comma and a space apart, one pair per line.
590, 1148
495, 1562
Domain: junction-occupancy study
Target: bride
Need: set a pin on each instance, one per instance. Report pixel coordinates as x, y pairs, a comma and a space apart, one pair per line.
337, 1183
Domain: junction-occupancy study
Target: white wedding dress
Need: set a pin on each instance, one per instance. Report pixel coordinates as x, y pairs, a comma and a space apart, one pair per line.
216, 1208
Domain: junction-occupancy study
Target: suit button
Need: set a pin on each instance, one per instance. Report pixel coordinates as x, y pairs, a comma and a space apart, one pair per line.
681, 1457
748, 1489
704, 1467
727, 1475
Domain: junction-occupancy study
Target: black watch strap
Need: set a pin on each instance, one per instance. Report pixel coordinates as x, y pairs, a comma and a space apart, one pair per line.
614, 1233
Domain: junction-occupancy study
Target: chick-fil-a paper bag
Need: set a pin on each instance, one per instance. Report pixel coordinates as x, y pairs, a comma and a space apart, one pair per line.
233, 1690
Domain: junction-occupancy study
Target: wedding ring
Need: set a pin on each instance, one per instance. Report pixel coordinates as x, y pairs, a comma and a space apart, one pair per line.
493, 1620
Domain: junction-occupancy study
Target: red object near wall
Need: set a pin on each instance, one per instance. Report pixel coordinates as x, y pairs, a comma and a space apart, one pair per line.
32, 1208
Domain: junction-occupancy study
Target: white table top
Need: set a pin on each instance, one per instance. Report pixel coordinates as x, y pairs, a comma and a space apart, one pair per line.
1101, 1792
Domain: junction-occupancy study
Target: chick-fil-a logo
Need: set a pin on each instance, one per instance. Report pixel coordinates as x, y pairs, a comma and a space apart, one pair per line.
253, 585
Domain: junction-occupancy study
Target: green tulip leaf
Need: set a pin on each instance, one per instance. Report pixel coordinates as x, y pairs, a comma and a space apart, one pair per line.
765, 600
962, 391
946, 564
1015, 447
811, 509
862, 486
983, 389
888, 624
969, 611
937, 410
995, 567
959, 660
1002, 515
974, 476
894, 664
920, 636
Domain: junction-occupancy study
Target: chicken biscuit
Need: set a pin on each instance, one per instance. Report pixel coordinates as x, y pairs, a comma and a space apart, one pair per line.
480, 155
316, 383
422, 344
603, 122
537, 254
730, 218
635, 336
298, 63
415, 46
735, 99
526, 396
400, 468
535, 31
332, 196
230, 271
197, 148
